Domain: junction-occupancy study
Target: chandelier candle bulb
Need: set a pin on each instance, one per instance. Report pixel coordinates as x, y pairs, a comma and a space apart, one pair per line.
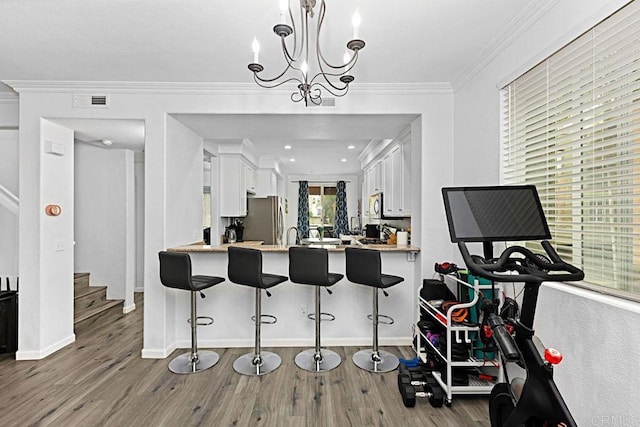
284, 5
356, 24
255, 46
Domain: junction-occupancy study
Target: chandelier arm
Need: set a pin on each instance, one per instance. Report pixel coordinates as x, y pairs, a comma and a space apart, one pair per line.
287, 56
266, 82
320, 56
336, 91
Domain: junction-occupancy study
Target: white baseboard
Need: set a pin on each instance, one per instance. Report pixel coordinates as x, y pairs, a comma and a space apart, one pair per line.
157, 353
41, 354
129, 308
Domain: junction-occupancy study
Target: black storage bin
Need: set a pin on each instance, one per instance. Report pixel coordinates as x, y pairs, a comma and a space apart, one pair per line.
436, 289
8, 321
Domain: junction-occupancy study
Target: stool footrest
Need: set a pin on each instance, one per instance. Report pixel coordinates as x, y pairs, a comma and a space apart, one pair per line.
388, 320
202, 320
272, 319
328, 317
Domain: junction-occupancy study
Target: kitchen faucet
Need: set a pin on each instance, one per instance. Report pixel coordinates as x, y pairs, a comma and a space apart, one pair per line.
297, 241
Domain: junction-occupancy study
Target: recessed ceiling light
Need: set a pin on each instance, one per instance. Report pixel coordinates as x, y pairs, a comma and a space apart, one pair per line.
343, 160
292, 160
107, 142
287, 147
351, 147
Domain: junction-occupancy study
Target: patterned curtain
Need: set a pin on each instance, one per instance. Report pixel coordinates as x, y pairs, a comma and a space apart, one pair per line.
303, 209
342, 220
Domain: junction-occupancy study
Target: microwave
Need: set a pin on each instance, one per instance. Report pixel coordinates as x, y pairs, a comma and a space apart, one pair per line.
375, 206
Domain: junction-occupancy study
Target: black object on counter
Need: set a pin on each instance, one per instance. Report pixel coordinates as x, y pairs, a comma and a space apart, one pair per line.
206, 235
372, 230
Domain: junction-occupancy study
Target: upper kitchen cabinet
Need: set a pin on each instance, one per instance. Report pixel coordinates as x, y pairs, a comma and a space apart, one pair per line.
234, 174
374, 178
267, 183
250, 178
390, 173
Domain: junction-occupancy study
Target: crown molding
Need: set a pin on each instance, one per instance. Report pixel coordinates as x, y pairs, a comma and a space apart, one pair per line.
211, 88
519, 25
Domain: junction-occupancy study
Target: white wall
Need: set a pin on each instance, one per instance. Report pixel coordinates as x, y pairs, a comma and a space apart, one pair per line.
433, 104
9, 111
184, 206
9, 137
138, 171
104, 200
184, 184
8, 219
596, 334
45, 321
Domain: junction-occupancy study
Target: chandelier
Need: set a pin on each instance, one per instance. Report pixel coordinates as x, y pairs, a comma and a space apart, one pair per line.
331, 78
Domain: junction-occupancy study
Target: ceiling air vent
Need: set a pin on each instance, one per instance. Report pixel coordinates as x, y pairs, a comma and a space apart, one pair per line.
99, 100
326, 102
90, 101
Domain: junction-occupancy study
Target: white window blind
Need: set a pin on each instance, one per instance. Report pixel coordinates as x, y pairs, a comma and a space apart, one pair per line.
571, 126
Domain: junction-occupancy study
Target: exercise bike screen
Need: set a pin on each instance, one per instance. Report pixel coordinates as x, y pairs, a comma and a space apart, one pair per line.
502, 213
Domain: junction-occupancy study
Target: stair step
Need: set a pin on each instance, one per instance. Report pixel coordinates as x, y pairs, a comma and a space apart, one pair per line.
88, 296
80, 280
97, 309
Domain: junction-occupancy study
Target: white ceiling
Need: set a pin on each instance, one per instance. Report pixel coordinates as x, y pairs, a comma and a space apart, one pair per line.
319, 143
210, 41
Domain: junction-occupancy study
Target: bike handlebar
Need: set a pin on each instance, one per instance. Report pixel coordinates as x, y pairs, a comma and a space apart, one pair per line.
504, 339
541, 271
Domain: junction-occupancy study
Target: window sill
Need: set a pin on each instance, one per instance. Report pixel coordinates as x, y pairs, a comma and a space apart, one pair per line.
599, 294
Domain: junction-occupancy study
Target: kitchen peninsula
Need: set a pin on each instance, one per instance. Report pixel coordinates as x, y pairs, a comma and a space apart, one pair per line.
232, 305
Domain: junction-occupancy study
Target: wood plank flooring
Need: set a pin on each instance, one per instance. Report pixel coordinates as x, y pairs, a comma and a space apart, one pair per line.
100, 380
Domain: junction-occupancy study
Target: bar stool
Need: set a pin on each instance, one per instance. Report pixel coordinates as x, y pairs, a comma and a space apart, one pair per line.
310, 266
175, 272
245, 268
364, 267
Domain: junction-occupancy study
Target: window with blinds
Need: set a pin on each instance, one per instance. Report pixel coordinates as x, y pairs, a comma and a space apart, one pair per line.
571, 126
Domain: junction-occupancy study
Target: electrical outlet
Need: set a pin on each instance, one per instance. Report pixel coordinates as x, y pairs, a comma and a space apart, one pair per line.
303, 310
59, 245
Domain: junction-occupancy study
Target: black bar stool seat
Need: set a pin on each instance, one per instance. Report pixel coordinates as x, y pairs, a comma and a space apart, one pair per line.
245, 268
175, 272
364, 267
310, 266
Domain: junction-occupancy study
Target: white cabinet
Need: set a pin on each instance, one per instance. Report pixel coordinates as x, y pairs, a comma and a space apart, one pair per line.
387, 186
406, 179
396, 186
373, 178
266, 183
249, 178
391, 176
237, 179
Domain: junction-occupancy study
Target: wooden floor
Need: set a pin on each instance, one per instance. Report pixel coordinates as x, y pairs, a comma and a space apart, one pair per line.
101, 380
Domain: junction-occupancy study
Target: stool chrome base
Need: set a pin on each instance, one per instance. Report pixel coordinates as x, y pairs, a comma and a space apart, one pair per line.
244, 364
306, 360
364, 360
183, 364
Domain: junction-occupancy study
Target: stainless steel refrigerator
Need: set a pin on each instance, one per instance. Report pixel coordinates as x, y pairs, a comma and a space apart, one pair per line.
264, 220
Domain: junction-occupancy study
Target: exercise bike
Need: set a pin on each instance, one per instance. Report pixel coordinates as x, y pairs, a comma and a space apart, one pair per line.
529, 397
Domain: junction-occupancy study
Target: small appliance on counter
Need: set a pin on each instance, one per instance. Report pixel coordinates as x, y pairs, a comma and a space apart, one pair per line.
230, 234
372, 231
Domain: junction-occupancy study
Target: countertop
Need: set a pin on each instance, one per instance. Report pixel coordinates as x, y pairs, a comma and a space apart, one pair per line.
199, 247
